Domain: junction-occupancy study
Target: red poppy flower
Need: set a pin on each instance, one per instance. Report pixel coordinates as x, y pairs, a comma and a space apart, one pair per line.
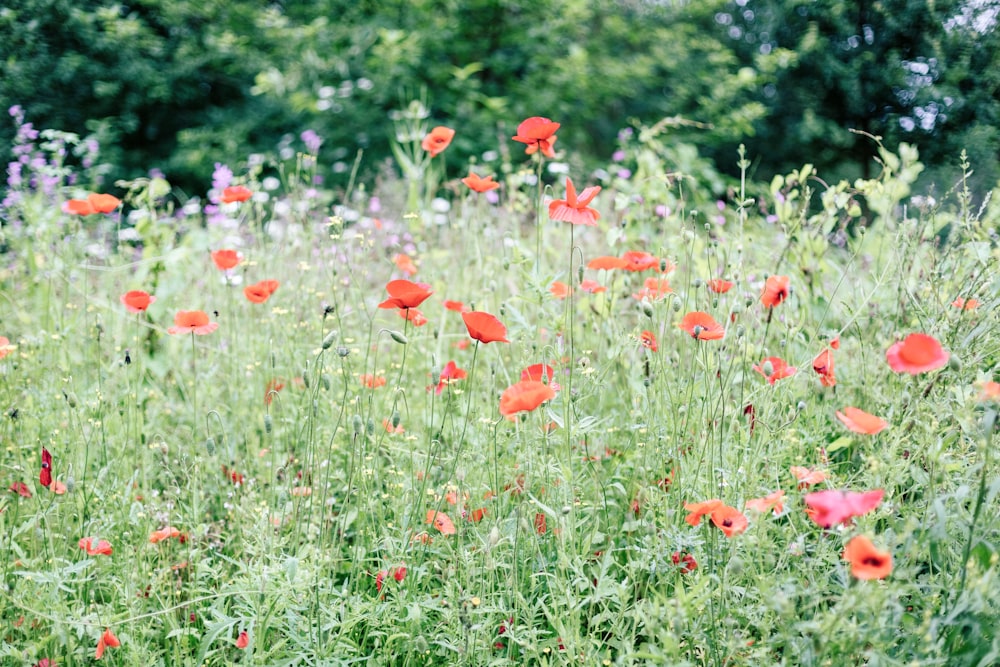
165, 534
192, 321
226, 259
257, 293
701, 326
21, 489
5, 347
575, 210
450, 373
648, 340
45, 474
136, 301
965, 304
776, 290
539, 134
720, 286
559, 289
917, 353
413, 315
485, 328
524, 396
243, 640
698, 510
372, 381
860, 421
107, 640
272, 387
770, 502
686, 562
456, 306
405, 294
78, 207
94, 546
480, 185
636, 260
606, 263
653, 289
807, 476
729, 520
441, 522
779, 369
829, 508
866, 561
104, 203
437, 140
540, 373
988, 390
540, 523
823, 365
404, 263
592, 287
235, 193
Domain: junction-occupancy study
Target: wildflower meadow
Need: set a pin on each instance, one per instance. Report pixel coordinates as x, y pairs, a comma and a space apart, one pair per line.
521, 414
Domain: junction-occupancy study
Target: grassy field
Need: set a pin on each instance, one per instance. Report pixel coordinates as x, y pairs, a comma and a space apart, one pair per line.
419, 424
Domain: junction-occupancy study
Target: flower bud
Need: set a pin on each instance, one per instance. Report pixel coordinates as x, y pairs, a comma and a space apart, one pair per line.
647, 307
398, 337
358, 424
342, 352
210, 446
677, 305
328, 340
268, 424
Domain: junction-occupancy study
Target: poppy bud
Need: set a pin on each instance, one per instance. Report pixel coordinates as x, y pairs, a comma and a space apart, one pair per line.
579, 274
342, 352
326, 381
715, 302
677, 305
740, 331
663, 269
395, 418
328, 340
647, 308
398, 337
768, 368
358, 424
749, 301
70, 398
697, 282
954, 364
566, 509
370, 427
70, 483
801, 406
736, 309
268, 424
210, 446
306, 378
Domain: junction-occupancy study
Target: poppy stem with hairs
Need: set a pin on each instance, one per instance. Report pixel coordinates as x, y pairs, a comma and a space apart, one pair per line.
567, 398
538, 213
194, 383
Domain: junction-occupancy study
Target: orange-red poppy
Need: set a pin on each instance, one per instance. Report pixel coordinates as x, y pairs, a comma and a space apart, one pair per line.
653, 289
226, 259
720, 286
372, 381
701, 326
771, 502
166, 533
774, 369
592, 286
866, 561
404, 263
485, 327
729, 520
256, 293
192, 321
524, 396
823, 365
860, 421
456, 306
540, 523
607, 263
437, 140
272, 387
5, 347
575, 210
539, 373
539, 134
389, 428
235, 193
637, 260
698, 510
965, 304
405, 294
807, 476
988, 390
776, 290
94, 546
648, 340
107, 640
915, 354
78, 207
559, 289
104, 203
450, 373
413, 315
136, 301
833, 507
685, 561
440, 520
243, 640
478, 184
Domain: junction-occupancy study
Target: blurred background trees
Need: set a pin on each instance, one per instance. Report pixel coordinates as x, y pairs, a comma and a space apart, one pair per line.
178, 85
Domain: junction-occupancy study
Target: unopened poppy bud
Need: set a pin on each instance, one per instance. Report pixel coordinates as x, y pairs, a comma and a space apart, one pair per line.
954, 364
663, 268
326, 381
579, 274
646, 382
358, 424
697, 282
506, 264
749, 301
370, 426
210, 446
768, 368
740, 331
677, 305
274, 360
342, 351
268, 424
70, 484
647, 308
494, 537
70, 399
306, 378
566, 509
715, 302
328, 340
395, 419
398, 337
801, 406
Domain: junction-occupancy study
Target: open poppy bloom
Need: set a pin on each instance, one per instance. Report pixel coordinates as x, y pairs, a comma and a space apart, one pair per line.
684, 561
701, 326
442, 522
807, 476
653, 289
607, 263
437, 140
107, 640
774, 369
729, 520
5, 347
405, 294
165, 534
372, 381
539, 134
823, 365
413, 315
484, 327
45, 474
776, 290
477, 184
243, 640
137, 301
524, 396
866, 561
915, 354
20, 488
235, 193
592, 286
965, 304
648, 340
770, 502
94, 546
988, 390
226, 259
719, 286
637, 260
94, 203
860, 421
404, 263
456, 306
260, 292
450, 373
829, 508
575, 210
192, 321
698, 510
540, 373
559, 289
